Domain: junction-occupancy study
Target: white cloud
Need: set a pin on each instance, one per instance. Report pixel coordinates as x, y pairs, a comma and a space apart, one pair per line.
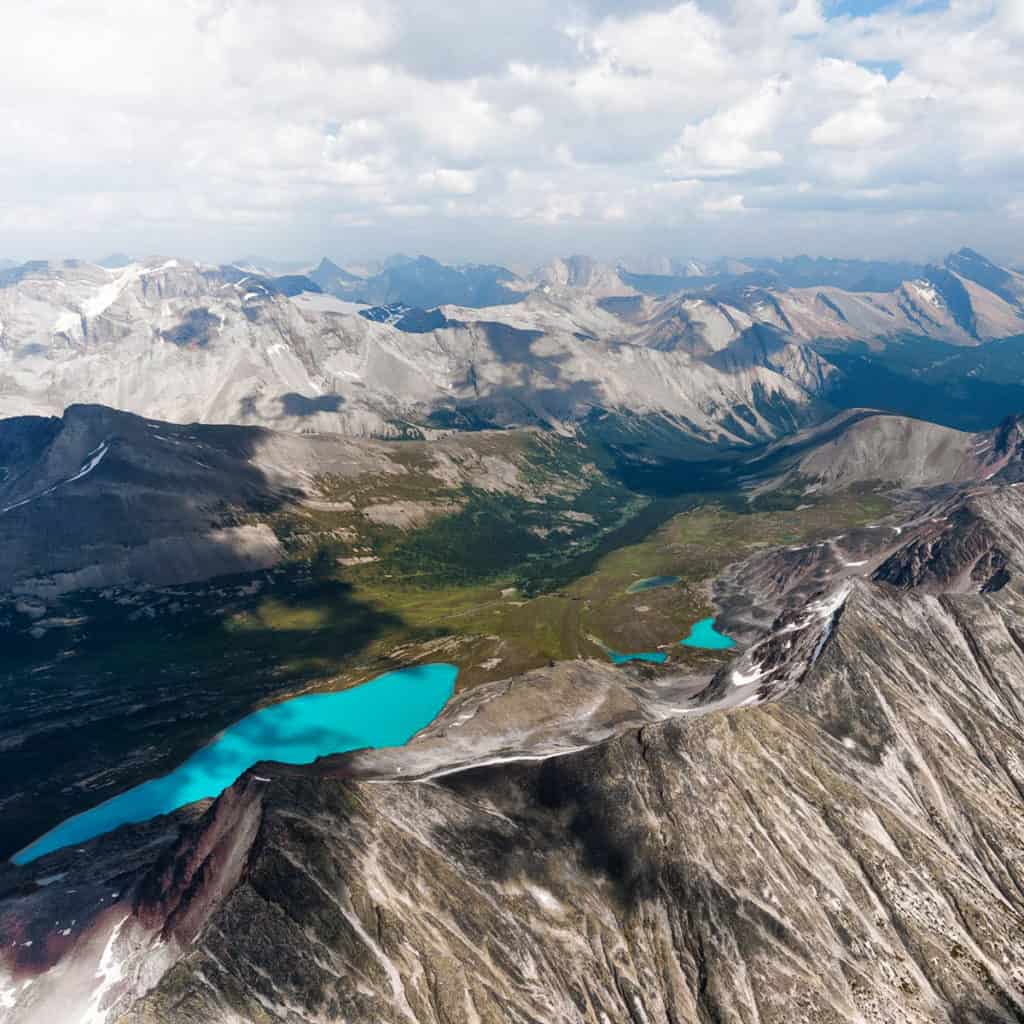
860, 126
559, 207
209, 126
724, 204
1010, 16
730, 141
805, 18
449, 181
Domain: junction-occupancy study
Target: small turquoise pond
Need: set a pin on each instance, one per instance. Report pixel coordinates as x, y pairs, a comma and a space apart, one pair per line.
651, 583
703, 634
385, 712
620, 659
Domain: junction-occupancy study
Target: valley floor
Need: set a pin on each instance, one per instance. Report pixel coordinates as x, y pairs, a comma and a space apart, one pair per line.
145, 678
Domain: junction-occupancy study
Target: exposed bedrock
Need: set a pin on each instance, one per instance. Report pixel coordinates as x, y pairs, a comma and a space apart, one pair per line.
831, 831
851, 852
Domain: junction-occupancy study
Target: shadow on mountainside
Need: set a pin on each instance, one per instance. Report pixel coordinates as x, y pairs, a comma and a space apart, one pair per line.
133, 690
123, 497
111, 684
967, 388
568, 807
294, 404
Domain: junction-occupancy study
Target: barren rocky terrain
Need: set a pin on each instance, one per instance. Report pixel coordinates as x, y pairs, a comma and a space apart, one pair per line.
826, 829
716, 361
819, 825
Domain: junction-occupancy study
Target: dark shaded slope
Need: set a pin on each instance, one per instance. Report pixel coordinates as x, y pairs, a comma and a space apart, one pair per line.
969, 389
118, 497
973, 543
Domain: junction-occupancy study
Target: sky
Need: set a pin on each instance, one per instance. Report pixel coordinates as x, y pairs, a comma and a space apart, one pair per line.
511, 132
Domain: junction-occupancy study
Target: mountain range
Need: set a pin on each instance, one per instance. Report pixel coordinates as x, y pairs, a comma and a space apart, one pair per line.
101, 498
720, 361
226, 487
596, 844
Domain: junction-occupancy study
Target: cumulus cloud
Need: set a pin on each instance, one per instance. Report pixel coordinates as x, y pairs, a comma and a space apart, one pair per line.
727, 142
482, 130
452, 182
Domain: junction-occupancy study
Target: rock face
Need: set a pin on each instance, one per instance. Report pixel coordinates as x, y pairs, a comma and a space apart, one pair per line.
725, 362
861, 446
846, 847
189, 343
896, 449
974, 542
99, 497
850, 853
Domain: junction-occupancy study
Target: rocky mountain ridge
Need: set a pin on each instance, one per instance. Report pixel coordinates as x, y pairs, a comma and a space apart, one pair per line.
101, 498
193, 344
862, 446
845, 847
724, 364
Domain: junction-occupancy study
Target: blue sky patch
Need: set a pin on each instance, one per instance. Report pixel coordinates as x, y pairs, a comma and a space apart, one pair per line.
889, 68
864, 8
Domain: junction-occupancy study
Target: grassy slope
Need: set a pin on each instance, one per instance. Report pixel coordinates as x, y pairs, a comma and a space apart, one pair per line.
573, 620
130, 684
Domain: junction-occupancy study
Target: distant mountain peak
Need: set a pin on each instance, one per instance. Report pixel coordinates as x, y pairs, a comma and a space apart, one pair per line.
328, 276
969, 253
584, 273
967, 258
973, 266
398, 259
326, 264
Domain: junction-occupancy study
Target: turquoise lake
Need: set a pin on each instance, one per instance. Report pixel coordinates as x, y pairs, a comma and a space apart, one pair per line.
651, 583
384, 712
655, 656
703, 634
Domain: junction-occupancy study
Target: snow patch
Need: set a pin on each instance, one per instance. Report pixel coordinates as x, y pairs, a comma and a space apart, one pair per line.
544, 899
110, 293
489, 761
821, 611
826, 609
167, 265
827, 606
67, 323
108, 973
925, 291
94, 458
746, 678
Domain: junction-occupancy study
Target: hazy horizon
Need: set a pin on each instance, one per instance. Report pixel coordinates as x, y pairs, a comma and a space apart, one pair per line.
640, 260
